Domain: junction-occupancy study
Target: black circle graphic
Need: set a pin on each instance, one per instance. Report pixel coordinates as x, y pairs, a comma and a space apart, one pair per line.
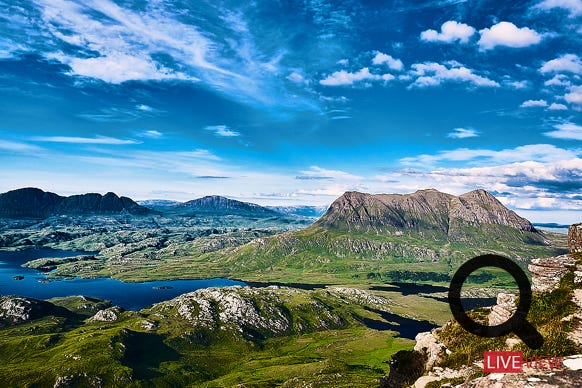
517, 323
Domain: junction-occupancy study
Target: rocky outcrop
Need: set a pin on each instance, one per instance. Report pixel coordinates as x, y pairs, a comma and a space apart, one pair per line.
35, 203
424, 209
15, 310
252, 313
503, 310
547, 272
108, 315
575, 238
429, 344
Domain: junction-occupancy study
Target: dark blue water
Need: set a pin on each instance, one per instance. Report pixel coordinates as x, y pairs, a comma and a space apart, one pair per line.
131, 296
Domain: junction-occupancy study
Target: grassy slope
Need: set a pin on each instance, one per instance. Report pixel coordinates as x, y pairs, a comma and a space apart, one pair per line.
125, 353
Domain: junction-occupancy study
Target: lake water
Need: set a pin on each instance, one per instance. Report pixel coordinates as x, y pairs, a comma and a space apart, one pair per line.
131, 296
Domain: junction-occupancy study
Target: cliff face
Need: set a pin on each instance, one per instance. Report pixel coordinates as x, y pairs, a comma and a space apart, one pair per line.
424, 209
35, 203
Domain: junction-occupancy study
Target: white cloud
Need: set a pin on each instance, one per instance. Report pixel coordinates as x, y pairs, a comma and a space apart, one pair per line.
152, 134
104, 140
556, 106
534, 104
509, 35
17, 147
539, 152
450, 32
393, 63
558, 80
433, 74
130, 45
568, 62
463, 133
144, 108
222, 131
297, 78
117, 68
574, 7
574, 96
342, 77
566, 131
319, 173
518, 84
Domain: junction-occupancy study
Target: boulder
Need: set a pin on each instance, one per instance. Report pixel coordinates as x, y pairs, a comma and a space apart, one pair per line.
503, 310
575, 238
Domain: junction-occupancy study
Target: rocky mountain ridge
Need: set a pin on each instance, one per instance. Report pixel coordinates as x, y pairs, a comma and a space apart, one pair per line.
38, 204
223, 205
423, 210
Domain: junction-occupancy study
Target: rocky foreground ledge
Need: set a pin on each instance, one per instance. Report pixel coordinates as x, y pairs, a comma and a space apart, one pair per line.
557, 283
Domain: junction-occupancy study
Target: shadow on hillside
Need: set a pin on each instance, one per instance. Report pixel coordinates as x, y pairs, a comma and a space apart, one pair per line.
145, 352
406, 327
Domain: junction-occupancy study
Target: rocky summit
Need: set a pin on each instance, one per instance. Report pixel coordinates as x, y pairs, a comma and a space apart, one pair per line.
36, 203
424, 209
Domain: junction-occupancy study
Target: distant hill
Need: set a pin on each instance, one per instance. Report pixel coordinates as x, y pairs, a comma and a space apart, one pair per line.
428, 210
302, 211
157, 203
36, 203
217, 205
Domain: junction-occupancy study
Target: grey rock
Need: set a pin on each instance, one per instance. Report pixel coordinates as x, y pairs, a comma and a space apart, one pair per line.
547, 272
503, 310
110, 314
575, 238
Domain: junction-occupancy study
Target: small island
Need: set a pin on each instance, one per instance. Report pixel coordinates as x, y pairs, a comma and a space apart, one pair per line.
17, 277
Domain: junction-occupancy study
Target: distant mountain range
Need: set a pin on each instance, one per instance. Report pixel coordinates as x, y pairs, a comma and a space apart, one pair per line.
302, 211
36, 203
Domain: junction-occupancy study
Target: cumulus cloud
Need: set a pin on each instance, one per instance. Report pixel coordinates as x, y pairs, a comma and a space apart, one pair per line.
568, 131
393, 63
222, 131
534, 104
556, 106
574, 97
574, 7
558, 80
433, 74
568, 62
450, 31
462, 133
342, 77
509, 35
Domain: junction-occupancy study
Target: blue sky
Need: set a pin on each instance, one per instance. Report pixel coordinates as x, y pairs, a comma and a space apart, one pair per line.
295, 102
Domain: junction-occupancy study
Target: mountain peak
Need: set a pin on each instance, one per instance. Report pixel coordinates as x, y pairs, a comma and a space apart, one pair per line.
223, 205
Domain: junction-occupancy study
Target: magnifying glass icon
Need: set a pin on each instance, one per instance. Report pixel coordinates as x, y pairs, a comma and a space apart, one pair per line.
517, 324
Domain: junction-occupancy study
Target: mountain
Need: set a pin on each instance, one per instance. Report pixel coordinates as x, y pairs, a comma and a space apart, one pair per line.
217, 205
151, 203
422, 210
36, 203
302, 211
365, 237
